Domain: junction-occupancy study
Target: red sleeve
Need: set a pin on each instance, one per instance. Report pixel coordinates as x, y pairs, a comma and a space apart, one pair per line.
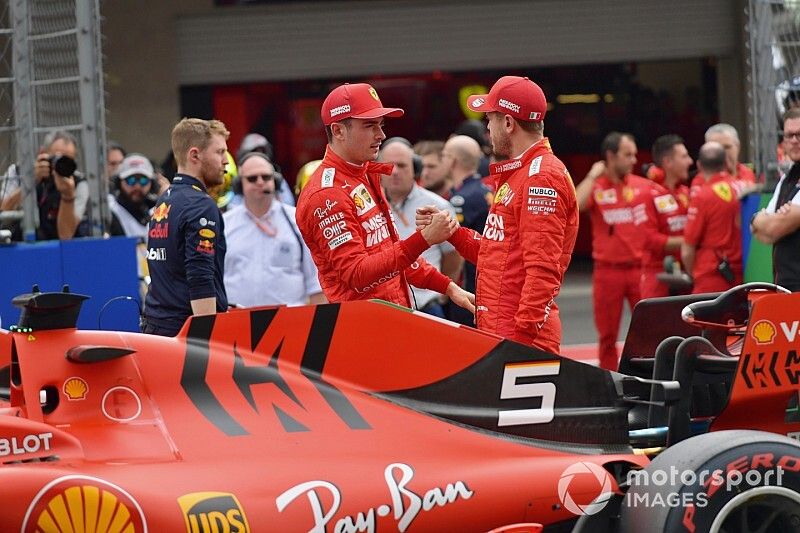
653, 239
345, 252
542, 235
423, 275
695, 223
467, 242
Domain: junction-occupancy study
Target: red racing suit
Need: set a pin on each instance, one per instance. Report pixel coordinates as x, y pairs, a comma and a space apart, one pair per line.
346, 222
525, 249
713, 226
666, 217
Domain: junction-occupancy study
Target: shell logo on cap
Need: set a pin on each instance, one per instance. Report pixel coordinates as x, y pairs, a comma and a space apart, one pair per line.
84, 503
75, 389
763, 331
374, 93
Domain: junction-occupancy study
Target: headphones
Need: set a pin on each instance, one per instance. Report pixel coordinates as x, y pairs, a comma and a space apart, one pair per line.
236, 185
416, 160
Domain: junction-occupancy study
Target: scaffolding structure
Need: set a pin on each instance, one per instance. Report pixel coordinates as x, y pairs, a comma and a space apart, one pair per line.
773, 56
51, 79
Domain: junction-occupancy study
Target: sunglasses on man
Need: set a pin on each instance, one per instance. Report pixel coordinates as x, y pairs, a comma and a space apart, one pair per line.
141, 180
255, 177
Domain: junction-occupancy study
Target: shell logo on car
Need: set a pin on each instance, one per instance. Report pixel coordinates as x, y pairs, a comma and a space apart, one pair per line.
763, 331
75, 389
84, 503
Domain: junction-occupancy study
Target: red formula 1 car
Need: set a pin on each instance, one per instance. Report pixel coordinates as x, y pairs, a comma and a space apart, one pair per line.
367, 417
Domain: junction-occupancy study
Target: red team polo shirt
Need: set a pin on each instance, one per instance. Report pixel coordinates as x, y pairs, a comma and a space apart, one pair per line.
713, 227
666, 217
617, 211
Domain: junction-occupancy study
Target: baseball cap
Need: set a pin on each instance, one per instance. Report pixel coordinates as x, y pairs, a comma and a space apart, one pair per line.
512, 95
357, 100
135, 165
254, 142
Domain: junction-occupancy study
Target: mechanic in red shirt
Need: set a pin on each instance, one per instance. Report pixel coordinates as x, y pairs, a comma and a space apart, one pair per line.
530, 232
616, 201
345, 219
712, 248
740, 176
666, 212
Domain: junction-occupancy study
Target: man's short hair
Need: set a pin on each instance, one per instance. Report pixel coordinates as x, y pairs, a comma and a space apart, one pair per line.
114, 145
329, 132
529, 126
194, 133
612, 141
723, 128
423, 148
791, 113
712, 158
59, 135
663, 147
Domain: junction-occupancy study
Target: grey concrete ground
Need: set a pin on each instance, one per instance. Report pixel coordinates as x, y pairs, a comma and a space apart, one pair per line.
575, 306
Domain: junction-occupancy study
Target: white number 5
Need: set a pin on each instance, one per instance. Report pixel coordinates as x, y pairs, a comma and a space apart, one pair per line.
512, 389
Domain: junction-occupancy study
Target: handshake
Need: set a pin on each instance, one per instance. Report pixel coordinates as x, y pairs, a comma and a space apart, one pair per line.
435, 225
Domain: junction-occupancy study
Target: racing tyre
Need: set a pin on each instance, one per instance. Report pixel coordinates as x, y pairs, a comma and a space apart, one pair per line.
723, 482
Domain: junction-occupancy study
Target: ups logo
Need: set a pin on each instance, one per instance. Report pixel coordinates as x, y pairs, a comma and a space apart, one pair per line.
213, 512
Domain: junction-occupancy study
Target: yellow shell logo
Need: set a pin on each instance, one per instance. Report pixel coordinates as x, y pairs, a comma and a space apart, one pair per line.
374, 93
723, 190
75, 389
358, 201
81, 504
763, 331
501, 193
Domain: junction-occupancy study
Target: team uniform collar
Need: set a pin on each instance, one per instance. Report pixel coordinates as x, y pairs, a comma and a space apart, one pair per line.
186, 179
353, 170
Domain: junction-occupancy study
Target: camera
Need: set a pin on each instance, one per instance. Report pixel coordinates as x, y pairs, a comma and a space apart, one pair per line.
63, 165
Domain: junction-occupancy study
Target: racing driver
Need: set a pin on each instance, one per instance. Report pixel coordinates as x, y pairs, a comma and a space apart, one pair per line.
530, 232
345, 218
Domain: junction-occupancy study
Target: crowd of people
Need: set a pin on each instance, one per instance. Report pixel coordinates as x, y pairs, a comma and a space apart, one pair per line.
478, 228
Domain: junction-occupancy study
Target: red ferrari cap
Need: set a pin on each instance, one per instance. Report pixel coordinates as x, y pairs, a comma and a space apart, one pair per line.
357, 100
512, 95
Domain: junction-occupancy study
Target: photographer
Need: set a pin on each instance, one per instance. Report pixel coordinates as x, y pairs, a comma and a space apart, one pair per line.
62, 194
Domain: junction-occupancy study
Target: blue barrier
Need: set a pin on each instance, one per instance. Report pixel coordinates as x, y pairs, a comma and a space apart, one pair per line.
105, 269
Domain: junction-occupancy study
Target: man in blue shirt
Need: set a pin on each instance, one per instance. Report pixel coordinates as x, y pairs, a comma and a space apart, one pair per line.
471, 199
186, 236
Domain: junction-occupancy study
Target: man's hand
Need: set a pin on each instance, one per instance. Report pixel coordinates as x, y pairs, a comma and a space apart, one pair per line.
597, 170
42, 167
65, 185
441, 227
461, 297
425, 216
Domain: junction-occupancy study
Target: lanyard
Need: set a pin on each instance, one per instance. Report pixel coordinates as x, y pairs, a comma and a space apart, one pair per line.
265, 226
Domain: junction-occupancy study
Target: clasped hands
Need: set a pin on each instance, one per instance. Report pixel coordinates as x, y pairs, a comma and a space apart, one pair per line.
435, 225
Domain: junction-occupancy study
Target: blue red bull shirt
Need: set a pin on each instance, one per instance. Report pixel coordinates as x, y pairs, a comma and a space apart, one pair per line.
185, 253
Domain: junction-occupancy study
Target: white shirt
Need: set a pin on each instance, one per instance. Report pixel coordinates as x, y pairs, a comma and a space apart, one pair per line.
773, 206
265, 270
404, 216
